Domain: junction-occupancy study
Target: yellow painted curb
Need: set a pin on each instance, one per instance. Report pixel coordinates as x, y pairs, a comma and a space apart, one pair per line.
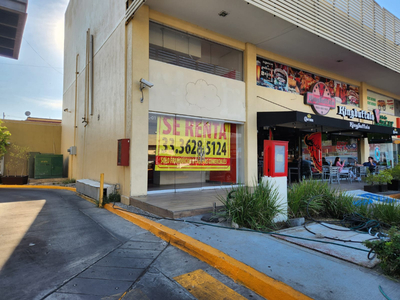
88, 199
50, 187
260, 283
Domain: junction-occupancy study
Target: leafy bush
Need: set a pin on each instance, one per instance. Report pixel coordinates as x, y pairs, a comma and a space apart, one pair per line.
383, 177
299, 194
388, 213
17, 162
113, 197
388, 252
253, 207
337, 203
4, 138
395, 172
68, 181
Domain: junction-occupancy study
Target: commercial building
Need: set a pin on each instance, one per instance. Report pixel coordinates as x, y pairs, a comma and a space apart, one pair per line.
175, 95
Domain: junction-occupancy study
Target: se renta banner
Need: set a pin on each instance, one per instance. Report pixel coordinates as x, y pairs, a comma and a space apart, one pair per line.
185, 144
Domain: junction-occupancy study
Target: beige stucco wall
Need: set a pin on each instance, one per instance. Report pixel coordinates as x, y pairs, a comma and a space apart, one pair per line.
39, 137
183, 91
97, 142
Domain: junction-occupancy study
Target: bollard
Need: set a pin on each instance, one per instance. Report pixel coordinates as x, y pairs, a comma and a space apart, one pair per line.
101, 190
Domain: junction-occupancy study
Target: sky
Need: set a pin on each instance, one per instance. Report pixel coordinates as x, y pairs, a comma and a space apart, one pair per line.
34, 82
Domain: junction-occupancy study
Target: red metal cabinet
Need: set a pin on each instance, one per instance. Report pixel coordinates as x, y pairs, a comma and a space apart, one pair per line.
275, 158
123, 152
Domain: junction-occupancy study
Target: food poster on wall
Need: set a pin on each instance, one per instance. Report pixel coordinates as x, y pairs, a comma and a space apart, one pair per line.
284, 78
385, 104
185, 144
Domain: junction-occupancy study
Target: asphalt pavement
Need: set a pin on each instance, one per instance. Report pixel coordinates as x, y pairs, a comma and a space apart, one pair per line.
55, 245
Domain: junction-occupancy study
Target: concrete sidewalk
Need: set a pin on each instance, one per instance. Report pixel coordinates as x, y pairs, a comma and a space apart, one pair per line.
273, 268
314, 274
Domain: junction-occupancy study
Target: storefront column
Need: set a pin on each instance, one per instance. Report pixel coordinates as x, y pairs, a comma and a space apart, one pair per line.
250, 128
364, 146
139, 41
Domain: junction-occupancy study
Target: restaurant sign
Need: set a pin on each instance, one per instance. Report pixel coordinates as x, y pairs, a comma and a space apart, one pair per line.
353, 113
384, 122
320, 99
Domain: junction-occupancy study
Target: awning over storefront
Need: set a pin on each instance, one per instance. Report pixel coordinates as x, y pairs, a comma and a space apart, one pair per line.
310, 122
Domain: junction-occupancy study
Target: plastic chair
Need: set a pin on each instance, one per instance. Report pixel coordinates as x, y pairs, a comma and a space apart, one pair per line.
334, 174
325, 172
363, 171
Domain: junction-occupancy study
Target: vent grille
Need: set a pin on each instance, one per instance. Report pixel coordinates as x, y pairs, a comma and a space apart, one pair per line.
185, 61
361, 26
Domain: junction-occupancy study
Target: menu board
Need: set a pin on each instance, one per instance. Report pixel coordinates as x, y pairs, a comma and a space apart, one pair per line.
381, 102
284, 78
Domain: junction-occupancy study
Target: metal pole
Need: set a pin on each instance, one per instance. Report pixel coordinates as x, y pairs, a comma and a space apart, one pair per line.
101, 190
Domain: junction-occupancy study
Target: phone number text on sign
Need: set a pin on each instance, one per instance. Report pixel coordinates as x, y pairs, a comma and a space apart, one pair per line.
192, 145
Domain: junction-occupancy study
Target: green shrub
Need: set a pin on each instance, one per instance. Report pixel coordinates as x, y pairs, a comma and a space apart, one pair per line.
253, 207
299, 194
383, 177
338, 203
395, 172
388, 252
68, 181
113, 197
388, 213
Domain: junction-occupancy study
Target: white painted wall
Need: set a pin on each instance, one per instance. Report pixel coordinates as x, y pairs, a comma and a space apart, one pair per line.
183, 91
281, 184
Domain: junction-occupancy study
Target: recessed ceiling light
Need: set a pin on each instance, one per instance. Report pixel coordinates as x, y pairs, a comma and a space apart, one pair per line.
223, 14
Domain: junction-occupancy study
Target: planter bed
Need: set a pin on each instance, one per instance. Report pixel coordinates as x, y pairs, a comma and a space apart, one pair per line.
395, 185
14, 180
371, 188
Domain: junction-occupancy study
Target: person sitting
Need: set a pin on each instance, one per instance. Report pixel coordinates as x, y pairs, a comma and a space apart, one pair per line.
325, 162
370, 164
343, 170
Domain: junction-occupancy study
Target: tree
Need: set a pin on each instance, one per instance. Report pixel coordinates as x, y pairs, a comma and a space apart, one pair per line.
4, 137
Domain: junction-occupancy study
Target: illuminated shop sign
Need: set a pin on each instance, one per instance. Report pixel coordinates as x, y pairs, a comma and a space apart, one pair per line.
320, 99
359, 125
308, 118
353, 113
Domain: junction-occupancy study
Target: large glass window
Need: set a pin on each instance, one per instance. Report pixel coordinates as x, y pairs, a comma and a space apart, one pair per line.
187, 152
334, 146
384, 154
184, 50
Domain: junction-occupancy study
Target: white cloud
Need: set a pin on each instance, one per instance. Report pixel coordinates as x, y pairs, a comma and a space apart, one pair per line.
53, 104
202, 94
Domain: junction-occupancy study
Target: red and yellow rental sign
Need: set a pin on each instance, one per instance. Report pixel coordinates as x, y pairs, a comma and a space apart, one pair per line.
192, 145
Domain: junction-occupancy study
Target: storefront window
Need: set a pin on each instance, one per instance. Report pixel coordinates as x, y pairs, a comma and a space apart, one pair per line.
336, 146
384, 154
187, 152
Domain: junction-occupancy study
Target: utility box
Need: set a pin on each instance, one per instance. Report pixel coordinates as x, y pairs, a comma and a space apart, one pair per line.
48, 166
275, 158
31, 164
72, 150
123, 152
